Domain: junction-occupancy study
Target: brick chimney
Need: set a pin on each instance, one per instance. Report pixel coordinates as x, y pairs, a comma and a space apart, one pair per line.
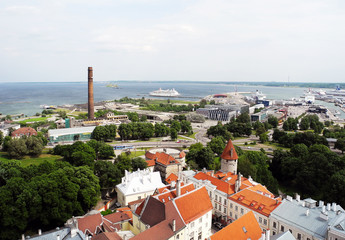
91, 114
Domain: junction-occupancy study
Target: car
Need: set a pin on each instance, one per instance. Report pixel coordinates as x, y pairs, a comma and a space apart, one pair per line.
218, 225
249, 147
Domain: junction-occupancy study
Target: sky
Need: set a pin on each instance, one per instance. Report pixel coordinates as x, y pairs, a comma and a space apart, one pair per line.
186, 40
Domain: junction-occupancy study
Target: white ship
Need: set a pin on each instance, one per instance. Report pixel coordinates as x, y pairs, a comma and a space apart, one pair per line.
165, 93
259, 96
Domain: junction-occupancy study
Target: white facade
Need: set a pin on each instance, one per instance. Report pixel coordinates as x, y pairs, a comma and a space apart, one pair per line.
200, 228
137, 185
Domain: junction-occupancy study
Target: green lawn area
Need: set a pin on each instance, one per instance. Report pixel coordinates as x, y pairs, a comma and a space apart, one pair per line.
136, 154
26, 161
33, 120
164, 101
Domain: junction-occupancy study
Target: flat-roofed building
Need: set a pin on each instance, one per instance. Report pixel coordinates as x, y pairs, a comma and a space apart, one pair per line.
70, 134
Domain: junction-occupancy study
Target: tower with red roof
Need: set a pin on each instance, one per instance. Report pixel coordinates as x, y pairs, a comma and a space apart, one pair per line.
229, 159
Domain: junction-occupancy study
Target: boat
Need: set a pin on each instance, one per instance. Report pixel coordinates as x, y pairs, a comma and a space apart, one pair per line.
337, 92
112, 85
165, 93
259, 96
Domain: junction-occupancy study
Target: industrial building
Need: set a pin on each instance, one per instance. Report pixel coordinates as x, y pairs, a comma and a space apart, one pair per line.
70, 134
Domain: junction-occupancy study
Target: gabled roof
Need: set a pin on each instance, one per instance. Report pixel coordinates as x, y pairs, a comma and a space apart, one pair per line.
150, 163
171, 177
90, 223
229, 152
221, 185
165, 159
246, 227
107, 236
182, 154
24, 131
194, 204
117, 217
168, 196
256, 201
163, 230
153, 212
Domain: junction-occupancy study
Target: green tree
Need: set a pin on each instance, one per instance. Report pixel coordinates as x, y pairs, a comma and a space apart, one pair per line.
100, 133
173, 133
175, 125
123, 162
340, 144
34, 146
272, 120
106, 151
17, 148
111, 131
263, 137
217, 145
1, 138
186, 127
138, 163
109, 175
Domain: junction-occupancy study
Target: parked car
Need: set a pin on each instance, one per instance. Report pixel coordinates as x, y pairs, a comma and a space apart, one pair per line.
218, 225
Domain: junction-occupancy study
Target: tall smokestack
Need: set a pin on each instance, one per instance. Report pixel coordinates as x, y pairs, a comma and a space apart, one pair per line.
91, 114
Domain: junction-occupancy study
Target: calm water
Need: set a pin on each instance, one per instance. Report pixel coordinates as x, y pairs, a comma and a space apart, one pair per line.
27, 97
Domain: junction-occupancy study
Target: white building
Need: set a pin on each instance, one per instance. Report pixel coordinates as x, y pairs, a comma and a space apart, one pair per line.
137, 185
307, 221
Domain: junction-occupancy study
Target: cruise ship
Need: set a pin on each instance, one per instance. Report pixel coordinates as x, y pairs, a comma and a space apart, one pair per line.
165, 93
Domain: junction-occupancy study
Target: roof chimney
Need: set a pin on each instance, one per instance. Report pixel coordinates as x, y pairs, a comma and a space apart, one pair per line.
178, 188
263, 235
267, 234
334, 207
307, 212
323, 208
39, 232
298, 197
23, 237
328, 207
174, 225
321, 203
58, 237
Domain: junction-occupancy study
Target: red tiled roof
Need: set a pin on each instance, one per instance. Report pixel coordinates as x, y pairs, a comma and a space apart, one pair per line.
229, 152
165, 158
168, 196
246, 227
127, 211
150, 163
194, 204
256, 201
117, 217
107, 236
140, 208
90, 223
171, 177
221, 185
28, 131
182, 154
150, 155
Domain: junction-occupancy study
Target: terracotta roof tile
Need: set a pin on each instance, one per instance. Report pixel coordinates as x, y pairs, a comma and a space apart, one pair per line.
171, 177
246, 227
168, 196
117, 217
182, 154
256, 201
150, 155
107, 236
90, 223
194, 204
153, 213
165, 158
229, 152
150, 163
221, 185
28, 131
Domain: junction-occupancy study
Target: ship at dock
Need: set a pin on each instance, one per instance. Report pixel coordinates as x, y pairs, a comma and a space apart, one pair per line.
165, 93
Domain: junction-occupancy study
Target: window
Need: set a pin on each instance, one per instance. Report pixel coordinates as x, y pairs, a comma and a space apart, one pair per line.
216, 198
199, 236
260, 220
220, 208
241, 210
224, 201
191, 236
299, 236
177, 236
225, 210
220, 199
282, 228
236, 208
290, 230
139, 197
274, 233
274, 224
230, 205
230, 214
200, 220
235, 216
192, 225
265, 221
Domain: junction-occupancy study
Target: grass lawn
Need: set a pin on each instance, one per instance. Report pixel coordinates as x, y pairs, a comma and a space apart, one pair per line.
136, 154
33, 120
182, 137
164, 101
26, 161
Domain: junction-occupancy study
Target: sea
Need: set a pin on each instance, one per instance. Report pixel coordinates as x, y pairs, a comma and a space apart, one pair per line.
27, 97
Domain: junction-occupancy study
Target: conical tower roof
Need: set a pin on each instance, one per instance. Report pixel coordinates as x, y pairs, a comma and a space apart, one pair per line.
229, 152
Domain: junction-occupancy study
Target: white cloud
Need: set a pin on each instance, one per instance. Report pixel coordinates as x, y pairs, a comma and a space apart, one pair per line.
22, 9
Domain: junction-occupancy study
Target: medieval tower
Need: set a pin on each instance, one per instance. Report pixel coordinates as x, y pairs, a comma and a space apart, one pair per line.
229, 159
90, 106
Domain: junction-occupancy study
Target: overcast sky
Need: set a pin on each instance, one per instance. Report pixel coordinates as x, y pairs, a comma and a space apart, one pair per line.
200, 40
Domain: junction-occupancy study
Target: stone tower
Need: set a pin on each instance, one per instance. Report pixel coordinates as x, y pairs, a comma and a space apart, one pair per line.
229, 159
